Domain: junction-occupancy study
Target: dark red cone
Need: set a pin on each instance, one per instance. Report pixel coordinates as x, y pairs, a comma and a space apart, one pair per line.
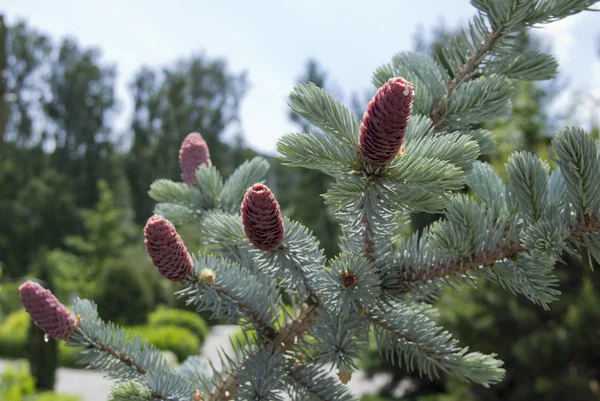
52, 317
192, 154
167, 250
384, 123
261, 218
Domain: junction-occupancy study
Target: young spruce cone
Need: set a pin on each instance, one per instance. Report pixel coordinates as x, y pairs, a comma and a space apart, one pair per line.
192, 154
261, 218
167, 250
384, 123
52, 317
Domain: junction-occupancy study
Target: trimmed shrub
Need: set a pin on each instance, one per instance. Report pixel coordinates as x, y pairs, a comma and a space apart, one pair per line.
13, 335
67, 358
17, 384
16, 323
124, 295
179, 318
9, 298
181, 341
52, 396
13, 346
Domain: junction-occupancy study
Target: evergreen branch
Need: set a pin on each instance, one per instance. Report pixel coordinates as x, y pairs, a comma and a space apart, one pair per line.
281, 342
308, 383
338, 338
309, 389
224, 386
465, 73
415, 339
246, 175
263, 326
297, 327
223, 287
122, 357
299, 254
325, 112
110, 348
507, 249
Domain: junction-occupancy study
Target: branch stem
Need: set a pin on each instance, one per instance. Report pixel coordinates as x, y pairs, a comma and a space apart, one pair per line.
282, 341
464, 74
122, 357
486, 258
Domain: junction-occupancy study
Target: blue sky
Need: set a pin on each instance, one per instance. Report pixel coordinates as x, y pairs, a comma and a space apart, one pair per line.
271, 40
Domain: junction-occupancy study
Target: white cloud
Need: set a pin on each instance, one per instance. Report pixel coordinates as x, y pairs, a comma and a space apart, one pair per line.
561, 37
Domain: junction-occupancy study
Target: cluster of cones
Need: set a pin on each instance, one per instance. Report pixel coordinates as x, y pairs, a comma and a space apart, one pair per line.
380, 139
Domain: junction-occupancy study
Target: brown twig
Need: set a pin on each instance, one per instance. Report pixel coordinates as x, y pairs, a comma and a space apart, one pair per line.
267, 329
125, 359
311, 391
398, 333
487, 258
465, 73
281, 341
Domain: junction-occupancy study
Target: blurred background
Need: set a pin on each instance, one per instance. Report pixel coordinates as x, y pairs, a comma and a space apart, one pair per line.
96, 97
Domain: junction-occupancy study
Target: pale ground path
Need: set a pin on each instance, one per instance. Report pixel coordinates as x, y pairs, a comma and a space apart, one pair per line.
92, 386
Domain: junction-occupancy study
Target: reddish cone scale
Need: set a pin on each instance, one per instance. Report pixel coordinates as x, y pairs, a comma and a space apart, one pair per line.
167, 250
193, 154
384, 122
261, 218
52, 317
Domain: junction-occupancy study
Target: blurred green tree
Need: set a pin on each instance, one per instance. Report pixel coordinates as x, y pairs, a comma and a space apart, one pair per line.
77, 104
56, 142
300, 189
107, 231
193, 95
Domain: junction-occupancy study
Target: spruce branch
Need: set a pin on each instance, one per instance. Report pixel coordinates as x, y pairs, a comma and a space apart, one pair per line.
409, 337
466, 72
229, 291
281, 342
309, 383
109, 350
507, 249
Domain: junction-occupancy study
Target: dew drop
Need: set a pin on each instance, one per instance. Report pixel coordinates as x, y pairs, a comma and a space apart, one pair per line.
46, 338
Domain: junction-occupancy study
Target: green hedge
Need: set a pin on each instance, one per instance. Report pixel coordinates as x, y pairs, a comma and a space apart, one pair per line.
182, 342
17, 384
13, 335
123, 295
16, 323
179, 318
52, 396
9, 298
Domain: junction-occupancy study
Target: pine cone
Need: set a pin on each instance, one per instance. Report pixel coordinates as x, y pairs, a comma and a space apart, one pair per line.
52, 317
384, 123
192, 154
261, 218
167, 250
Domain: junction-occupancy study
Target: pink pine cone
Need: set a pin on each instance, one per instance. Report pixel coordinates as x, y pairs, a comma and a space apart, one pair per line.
167, 250
261, 218
192, 154
384, 122
52, 317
